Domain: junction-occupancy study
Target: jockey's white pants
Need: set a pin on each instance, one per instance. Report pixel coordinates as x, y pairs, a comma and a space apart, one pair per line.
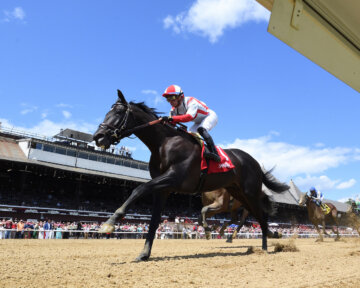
209, 122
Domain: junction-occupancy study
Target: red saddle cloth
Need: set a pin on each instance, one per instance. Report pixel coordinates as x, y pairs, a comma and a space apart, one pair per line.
217, 167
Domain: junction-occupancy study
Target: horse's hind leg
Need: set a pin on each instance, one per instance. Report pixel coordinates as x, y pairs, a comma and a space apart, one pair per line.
212, 209
235, 220
223, 227
337, 228
323, 228
245, 214
321, 239
336, 232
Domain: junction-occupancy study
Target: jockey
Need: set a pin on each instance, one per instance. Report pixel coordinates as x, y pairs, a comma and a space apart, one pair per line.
186, 109
317, 196
355, 206
357, 209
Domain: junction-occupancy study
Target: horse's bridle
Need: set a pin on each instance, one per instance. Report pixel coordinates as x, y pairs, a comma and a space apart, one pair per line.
113, 130
119, 133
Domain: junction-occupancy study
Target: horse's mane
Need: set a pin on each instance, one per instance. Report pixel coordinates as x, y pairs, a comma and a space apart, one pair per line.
156, 114
147, 109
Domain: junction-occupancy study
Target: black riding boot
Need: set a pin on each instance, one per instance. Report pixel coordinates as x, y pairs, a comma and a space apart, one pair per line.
213, 154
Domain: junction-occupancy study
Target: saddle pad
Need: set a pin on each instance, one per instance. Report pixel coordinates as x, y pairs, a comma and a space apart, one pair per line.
325, 208
216, 167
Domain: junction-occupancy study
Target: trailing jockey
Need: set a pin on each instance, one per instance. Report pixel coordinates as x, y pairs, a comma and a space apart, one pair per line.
186, 109
317, 196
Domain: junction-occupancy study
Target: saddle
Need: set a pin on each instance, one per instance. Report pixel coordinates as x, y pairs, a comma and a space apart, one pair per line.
209, 166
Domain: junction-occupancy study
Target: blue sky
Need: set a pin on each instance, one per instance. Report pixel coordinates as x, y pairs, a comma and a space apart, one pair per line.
62, 61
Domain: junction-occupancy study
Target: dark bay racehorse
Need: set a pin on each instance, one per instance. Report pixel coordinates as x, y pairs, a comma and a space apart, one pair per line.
220, 201
175, 167
318, 217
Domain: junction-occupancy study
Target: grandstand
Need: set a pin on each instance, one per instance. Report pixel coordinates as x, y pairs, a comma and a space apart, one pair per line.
67, 178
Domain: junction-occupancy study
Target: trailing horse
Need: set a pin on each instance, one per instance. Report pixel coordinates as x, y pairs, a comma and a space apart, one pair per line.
219, 201
174, 166
352, 219
318, 217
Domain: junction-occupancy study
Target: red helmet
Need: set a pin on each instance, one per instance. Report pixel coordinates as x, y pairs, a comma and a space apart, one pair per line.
173, 90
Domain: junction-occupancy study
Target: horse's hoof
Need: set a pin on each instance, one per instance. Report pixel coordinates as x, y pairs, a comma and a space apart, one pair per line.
107, 228
141, 258
229, 240
319, 240
337, 239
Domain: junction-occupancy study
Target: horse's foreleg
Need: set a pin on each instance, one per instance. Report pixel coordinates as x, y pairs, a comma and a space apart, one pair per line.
159, 202
156, 185
109, 225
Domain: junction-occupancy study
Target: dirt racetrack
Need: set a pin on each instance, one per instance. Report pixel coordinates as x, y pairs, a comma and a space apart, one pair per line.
179, 263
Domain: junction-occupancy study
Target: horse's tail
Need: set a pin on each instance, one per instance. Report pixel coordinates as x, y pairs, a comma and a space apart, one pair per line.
272, 183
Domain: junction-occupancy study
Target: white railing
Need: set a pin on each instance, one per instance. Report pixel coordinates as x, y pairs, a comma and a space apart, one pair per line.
51, 234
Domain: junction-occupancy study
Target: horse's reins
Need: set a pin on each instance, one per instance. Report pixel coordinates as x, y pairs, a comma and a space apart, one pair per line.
122, 132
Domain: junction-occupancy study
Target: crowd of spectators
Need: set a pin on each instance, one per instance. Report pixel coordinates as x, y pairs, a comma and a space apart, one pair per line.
181, 228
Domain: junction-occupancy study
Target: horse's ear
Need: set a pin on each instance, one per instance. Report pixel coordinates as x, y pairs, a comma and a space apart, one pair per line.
121, 97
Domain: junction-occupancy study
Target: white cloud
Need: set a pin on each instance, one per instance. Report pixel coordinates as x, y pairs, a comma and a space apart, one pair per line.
347, 184
353, 196
148, 91
44, 114
156, 99
63, 105
209, 18
5, 122
27, 108
66, 114
49, 128
17, 13
26, 111
320, 182
291, 160
306, 165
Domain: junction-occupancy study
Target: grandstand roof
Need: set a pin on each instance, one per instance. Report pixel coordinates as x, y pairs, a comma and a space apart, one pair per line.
74, 135
10, 149
292, 197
